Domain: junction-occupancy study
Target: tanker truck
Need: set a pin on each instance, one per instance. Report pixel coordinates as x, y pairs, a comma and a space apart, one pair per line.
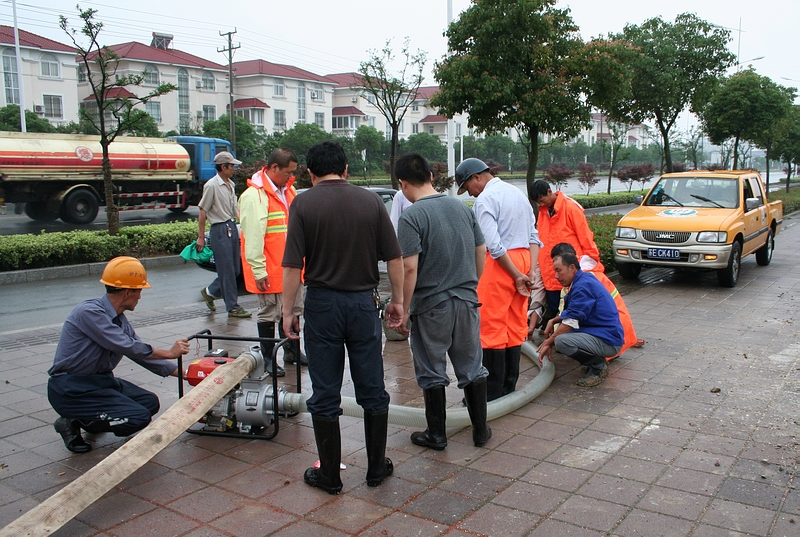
61, 175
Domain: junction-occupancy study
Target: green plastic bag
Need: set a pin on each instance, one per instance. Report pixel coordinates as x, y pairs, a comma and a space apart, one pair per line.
190, 253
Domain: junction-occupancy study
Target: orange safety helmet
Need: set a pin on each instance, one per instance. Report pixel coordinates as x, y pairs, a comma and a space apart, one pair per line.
125, 273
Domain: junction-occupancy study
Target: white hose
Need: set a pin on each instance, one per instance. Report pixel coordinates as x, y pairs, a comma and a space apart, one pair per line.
456, 417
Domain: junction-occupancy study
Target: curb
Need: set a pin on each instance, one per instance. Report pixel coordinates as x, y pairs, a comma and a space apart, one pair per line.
85, 269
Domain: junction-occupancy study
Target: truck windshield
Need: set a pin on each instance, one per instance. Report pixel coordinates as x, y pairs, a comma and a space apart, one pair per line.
695, 192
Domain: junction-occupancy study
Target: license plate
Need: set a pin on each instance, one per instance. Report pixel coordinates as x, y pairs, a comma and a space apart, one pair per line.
663, 253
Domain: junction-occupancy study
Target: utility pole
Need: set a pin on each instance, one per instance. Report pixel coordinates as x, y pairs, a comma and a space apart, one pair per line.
229, 50
22, 123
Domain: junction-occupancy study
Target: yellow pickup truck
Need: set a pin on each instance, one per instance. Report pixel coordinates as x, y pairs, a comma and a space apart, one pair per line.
699, 220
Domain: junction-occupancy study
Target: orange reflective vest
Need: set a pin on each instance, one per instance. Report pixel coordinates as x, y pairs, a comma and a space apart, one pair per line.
624, 315
568, 224
264, 220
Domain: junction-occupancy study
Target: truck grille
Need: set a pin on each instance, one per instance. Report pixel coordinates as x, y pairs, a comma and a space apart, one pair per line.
666, 237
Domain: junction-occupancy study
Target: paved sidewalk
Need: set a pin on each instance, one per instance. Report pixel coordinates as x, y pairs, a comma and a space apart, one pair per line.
695, 434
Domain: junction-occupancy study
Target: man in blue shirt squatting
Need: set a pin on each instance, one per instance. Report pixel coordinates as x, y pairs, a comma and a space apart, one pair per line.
443, 256
590, 330
82, 386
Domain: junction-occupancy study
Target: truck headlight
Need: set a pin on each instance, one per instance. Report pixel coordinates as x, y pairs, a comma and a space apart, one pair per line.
712, 236
626, 233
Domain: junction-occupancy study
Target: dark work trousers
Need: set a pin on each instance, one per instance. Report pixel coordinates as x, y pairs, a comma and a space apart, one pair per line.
335, 320
228, 258
122, 407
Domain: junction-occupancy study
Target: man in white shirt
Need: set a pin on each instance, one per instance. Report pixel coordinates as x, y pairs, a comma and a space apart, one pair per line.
509, 227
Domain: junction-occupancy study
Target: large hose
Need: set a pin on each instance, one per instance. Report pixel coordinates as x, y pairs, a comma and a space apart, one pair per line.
65, 504
456, 417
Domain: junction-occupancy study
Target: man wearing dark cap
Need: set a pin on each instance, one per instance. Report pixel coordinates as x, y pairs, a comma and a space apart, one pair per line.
219, 206
512, 242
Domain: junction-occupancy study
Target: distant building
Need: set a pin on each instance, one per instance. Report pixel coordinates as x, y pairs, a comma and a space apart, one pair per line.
48, 75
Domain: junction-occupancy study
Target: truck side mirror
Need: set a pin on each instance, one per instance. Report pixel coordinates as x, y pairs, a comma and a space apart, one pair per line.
752, 203
638, 199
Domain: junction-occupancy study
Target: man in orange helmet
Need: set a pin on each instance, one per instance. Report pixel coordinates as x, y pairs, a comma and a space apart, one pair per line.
82, 386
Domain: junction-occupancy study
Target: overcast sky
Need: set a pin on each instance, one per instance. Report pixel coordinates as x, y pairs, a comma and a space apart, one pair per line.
330, 36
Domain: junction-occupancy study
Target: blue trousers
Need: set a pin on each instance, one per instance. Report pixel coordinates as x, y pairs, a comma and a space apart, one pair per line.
336, 320
119, 406
228, 258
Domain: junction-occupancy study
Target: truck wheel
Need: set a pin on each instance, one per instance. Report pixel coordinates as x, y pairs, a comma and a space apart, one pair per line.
37, 210
177, 210
629, 271
764, 254
728, 276
79, 207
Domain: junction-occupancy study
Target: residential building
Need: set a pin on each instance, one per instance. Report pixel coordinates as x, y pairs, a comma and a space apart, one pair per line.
275, 97
49, 72
600, 130
202, 93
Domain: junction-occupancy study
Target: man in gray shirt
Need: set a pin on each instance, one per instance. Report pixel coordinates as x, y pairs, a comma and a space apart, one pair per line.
443, 257
218, 205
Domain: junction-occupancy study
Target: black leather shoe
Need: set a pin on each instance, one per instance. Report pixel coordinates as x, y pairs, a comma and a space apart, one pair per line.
71, 434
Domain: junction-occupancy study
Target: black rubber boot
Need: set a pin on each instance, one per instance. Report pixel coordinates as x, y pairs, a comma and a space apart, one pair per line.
434, 436
267, 329
329, 447
511, 369
475, 394
292, 350
494, 360
379, 466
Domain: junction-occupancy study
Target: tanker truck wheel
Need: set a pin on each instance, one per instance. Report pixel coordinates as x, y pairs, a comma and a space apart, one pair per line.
177, 210
37, 210
79, 207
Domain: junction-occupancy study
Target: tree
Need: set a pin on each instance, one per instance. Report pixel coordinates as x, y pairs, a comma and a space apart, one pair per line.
370, 141
677, 65
112, 113
302, 136
780, 100
587, 176
618, 132
693, 145
641, 174
9, 120
248, 142
747, 107
392, 93
558, 175
521, 64
427, 145
787, 147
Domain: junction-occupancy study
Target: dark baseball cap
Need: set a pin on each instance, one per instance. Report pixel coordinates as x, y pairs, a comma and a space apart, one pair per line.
467, 169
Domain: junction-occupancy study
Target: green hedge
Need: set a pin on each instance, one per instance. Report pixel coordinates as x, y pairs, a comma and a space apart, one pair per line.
19, 252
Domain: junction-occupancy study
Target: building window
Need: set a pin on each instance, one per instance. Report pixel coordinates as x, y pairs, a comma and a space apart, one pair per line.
150, 75
10, 79
254, 116
415, 128
319, 119
208, 81
82, 77
318, 94
301, 102
402, 129
52, 107
209, 112
184, 116
49, 66
154, 109
415, 107
430, 129
372, 121
341, 122
278, 88
280, 119
370, 98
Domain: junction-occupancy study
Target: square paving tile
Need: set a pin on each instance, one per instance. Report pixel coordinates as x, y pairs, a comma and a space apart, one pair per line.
403, 525
738, 517
530, 498
590, 513
674, 502
690, 480
498, 520
560, 477
348, 514
613, 489
252, 519
159, 521
441, 506
475, 484
645, 523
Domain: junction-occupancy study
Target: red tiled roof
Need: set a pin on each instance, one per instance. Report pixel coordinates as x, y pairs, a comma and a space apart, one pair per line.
138, 51
263, 67
433, 119
345, 80
114, 93
603, 135
249, 103
424, 93
347, 111
27, 39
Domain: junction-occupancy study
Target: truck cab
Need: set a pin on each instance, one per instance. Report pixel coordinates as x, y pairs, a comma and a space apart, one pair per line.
202, 151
